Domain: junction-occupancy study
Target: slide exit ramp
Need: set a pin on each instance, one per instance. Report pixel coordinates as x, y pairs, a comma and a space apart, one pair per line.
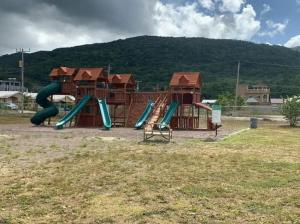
75, 110
105, 114
168, 116
145, 115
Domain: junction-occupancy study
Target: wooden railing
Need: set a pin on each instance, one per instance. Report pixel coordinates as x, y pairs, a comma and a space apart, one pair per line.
186, 122
141, 97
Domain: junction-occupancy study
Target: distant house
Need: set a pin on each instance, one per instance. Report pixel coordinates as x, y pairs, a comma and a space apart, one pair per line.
277, 101
31, 99
256, 94
56, 98
11, 85
10, 97
252, 100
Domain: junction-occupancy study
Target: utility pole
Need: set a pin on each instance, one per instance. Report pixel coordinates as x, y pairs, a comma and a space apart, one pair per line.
237, 84
21, 65
108, 69
138, 85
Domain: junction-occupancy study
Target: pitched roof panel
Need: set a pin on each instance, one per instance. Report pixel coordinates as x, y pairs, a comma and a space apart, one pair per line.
62, 71
121, 79
186, 79
90, 74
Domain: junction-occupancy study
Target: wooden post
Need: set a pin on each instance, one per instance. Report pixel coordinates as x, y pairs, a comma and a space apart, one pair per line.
49, 119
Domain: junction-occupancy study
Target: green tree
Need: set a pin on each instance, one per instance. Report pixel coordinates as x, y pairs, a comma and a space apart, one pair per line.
291, 110
228, 100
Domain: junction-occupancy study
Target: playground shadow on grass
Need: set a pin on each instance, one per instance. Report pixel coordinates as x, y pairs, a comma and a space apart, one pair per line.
288, 126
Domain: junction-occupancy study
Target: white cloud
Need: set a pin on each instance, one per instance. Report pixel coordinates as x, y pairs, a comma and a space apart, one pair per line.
187, 21
293, 42
298, 2
208, 4
233, 6
274, 28
266, 9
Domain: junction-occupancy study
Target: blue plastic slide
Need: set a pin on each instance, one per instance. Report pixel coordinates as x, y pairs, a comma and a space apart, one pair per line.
168, 116
145, 115
75, 110
104, 113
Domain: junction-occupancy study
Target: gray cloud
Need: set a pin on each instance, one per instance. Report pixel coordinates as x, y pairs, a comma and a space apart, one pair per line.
46, 24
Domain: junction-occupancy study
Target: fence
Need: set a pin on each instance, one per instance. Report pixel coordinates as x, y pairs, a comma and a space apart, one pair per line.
29, 108
251, 111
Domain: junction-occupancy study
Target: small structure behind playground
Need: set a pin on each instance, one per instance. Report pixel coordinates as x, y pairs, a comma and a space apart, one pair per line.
112, 100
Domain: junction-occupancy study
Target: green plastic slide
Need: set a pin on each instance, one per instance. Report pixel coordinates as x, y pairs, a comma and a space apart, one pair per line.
168, 116
50, 109
104, 113
145, 115
75, 110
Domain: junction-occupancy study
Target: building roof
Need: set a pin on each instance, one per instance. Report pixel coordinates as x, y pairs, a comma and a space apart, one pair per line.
209, 101
8, 94
90, 74
63, 98
62, 71
276, 101
121, 79
186, 79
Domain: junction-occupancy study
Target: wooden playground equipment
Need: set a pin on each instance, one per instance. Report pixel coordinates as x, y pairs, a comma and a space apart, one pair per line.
112, 100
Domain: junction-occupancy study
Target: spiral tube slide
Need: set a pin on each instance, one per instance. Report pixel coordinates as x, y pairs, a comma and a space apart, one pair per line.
50, 109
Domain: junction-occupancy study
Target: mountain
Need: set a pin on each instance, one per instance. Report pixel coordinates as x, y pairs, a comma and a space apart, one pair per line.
297, 48
153, 59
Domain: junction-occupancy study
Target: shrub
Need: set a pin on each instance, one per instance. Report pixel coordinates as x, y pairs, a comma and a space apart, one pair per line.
291, 110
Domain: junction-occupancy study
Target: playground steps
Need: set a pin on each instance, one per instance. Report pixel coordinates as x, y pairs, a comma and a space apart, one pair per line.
159, 107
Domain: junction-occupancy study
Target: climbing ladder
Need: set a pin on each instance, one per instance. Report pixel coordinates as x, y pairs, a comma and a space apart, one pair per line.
158, 109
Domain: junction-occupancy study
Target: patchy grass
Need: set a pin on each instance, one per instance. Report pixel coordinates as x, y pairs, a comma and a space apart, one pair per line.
252, 177
14, 119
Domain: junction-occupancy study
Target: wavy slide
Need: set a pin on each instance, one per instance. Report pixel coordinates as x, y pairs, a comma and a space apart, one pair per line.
145, 115
75, 110
50, 109
168, 116
104, 113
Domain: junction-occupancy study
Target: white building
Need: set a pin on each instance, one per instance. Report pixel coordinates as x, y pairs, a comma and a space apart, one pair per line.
10, 97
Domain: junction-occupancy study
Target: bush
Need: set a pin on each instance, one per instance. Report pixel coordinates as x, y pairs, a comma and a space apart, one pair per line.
228, 100
291, 110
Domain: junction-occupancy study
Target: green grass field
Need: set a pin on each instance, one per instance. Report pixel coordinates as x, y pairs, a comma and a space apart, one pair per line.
252, 177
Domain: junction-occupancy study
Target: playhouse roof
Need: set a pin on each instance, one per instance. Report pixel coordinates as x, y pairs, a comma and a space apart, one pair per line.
90, 74
186, 79
62, 71
121, 79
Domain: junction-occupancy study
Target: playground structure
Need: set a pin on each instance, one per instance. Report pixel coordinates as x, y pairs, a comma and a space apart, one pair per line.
112, 100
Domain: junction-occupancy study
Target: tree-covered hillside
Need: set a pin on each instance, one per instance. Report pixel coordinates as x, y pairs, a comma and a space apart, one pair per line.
297, 48
153, 59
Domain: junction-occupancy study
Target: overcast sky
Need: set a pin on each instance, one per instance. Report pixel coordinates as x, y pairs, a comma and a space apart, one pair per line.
49, 24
